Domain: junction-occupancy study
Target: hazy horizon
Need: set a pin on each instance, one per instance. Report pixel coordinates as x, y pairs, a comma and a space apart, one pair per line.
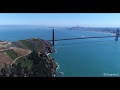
62, 19
63, 26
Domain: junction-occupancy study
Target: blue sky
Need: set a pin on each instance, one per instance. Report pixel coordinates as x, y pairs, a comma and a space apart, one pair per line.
62, 19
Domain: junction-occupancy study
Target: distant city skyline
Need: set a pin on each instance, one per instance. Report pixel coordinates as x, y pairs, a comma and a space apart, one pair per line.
62, 19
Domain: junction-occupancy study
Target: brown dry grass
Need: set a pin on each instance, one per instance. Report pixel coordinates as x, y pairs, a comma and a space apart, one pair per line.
4, 58
21, 52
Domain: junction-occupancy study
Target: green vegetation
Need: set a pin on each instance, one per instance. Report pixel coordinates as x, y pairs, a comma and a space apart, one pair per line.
24, 62
37, 45
24, 42
12, 54
32, 45
32, 65
36, 64
27, 44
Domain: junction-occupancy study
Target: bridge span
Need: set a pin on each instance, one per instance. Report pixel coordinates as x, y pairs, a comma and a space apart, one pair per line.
53, 37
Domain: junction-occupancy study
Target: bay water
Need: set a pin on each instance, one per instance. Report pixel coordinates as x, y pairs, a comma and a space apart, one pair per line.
96, 57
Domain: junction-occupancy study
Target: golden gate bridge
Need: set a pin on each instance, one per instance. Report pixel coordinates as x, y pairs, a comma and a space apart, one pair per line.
53, 37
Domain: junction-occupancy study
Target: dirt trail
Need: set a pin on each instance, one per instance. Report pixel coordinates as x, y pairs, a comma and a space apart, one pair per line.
20, 57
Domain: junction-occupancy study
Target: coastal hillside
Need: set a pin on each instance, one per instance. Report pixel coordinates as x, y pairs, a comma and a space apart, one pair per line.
35, 44
4, 58
28, 58
9, 56
98, 29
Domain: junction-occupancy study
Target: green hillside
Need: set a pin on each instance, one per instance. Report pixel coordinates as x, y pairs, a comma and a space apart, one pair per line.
32, 65
37, 45
12, 54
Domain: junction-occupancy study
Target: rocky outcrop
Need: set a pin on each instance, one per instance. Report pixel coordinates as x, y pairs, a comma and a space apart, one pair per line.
47, 47
53, 66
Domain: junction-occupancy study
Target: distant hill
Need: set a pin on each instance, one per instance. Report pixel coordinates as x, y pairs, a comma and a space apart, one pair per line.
98, 29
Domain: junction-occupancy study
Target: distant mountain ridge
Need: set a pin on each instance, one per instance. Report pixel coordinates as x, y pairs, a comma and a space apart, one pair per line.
100, 29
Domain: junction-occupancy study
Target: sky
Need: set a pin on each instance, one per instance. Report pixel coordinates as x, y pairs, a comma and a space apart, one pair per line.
62, 19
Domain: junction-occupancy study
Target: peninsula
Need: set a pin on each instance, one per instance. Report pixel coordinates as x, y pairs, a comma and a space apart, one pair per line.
27, 58
111, 30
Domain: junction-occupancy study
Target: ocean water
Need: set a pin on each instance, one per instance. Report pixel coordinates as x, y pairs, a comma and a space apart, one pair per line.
98, 57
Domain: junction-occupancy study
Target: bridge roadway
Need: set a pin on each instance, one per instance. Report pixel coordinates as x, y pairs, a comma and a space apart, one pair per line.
82, 38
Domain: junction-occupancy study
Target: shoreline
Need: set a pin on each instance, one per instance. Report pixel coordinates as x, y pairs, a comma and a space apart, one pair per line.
54, 75
111, 33
104, 32
101, 32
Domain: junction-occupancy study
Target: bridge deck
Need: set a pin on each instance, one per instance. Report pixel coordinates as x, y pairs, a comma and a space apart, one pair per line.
82, 38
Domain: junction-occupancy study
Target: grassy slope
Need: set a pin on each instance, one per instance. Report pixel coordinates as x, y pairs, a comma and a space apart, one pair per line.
24, 62
43, 68
29, 44
12, 54
39, 69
